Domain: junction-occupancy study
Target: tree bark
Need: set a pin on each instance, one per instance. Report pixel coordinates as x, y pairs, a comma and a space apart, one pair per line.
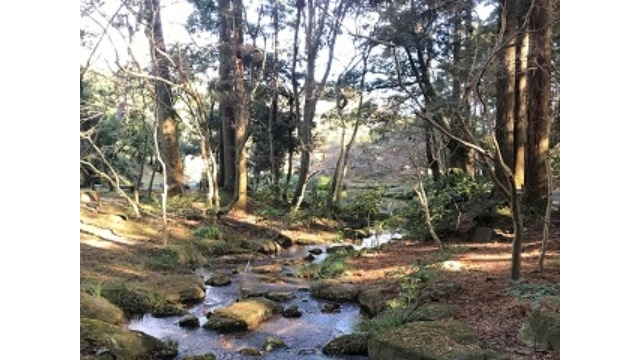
520, 135
538, 128
165, 113
226, 72
506, 84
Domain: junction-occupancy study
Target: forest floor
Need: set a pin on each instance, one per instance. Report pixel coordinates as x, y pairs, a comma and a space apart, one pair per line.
482, 271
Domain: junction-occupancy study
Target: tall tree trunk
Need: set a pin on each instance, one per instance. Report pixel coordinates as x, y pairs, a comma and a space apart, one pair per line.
539, 102
520, 136
506, 84
273, 114
240, 114
165, 113
294, 109
309, 103
226, 72
459, 156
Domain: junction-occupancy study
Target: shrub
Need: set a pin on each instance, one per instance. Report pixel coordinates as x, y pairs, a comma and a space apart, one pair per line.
208, 232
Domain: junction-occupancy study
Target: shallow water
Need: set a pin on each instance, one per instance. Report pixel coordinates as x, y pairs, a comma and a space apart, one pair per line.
305, 336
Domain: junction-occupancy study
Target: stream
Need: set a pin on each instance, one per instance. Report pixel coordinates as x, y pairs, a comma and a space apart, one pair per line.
305, 336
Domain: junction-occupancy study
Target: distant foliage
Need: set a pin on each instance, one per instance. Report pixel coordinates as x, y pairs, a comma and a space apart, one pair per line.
365, 205
454, 195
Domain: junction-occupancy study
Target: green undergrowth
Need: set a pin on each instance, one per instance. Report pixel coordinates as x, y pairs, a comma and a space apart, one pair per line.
332, 267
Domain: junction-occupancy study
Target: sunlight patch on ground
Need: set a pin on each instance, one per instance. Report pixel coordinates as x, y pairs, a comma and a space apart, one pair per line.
101, 244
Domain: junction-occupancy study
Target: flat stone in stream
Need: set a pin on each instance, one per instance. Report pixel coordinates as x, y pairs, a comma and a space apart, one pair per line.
218, 279
280, 296
241, 316
333, 290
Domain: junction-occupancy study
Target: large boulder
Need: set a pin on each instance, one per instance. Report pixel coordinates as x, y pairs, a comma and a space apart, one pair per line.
98, 337
349, 344
241, 316
374, 299
181, 288
425, 340
432, 311
541, 331
99, 308
333, 290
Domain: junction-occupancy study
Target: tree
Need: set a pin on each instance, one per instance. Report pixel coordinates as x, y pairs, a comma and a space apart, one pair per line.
539, 115
165, 113
328, 20
343, 94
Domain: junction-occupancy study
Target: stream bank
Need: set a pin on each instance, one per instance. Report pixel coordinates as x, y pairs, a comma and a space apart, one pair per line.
271, 277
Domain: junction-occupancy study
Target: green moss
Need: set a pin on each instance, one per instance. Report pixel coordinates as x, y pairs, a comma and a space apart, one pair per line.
124, 344
350, 344
133, 300
433, 340
99, 308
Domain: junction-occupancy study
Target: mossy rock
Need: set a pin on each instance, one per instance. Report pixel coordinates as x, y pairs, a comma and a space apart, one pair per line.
432, 311
385, 320
550, 303
180, 288
225, 324
241, 316
350, 344
542, 331
189, 322
218, 279
267, 269
272, 342
333, 290
132, 299
174, 258
99, 308
168, 310
292, 312
374, 299
98, 336
280, 296
251, 352
424, 340
201, 357
263, 246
